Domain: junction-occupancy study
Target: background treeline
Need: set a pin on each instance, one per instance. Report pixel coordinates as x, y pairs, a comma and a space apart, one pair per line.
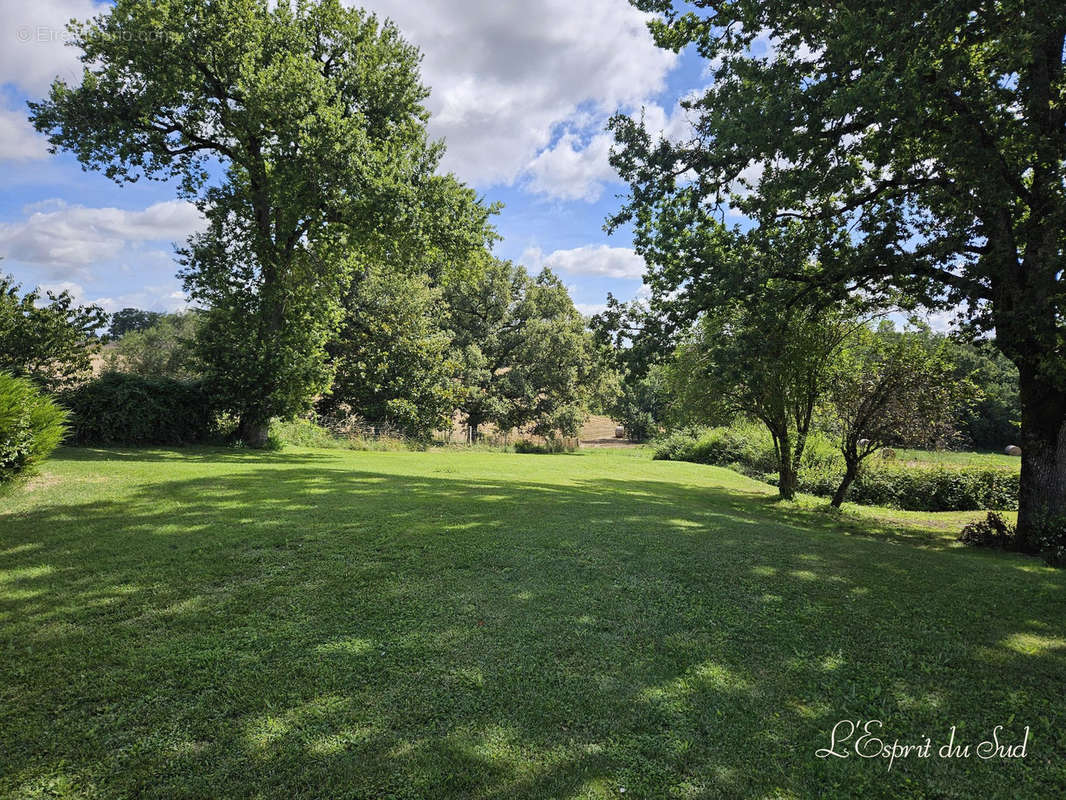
819, 399
987, 421
408, 359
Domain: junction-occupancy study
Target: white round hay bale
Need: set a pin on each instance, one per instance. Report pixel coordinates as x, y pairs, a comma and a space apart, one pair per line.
1012, 450
619, 432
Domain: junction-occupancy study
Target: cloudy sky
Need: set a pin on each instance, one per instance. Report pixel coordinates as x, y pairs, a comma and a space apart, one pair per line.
520, 93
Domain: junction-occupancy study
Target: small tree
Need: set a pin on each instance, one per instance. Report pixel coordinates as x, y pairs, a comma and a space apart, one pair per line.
766, 361
129, 320
393, 360
528, 358
51, 344
886, 387
164, 349
642, 404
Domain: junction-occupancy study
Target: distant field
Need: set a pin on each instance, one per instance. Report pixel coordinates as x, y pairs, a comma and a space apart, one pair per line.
207, 623
961, 458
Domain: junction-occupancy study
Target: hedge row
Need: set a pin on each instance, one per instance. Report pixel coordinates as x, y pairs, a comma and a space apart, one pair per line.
124, 409
749, 449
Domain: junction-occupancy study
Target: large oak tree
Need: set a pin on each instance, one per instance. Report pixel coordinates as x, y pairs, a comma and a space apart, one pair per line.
928, 138
299, 130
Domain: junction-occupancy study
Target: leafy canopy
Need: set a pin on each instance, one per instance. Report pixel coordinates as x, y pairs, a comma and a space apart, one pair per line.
527, 357
299, 130
51, 344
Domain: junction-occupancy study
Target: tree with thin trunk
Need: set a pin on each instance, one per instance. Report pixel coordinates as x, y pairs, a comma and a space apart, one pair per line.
887, 387
932, 134
299, 131
764, 360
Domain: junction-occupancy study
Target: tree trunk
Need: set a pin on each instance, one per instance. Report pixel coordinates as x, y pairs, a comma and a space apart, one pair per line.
850, 472
786, 477
253, 431
1042, 498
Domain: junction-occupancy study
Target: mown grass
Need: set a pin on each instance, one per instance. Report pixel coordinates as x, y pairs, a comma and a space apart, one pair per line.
214, 623
960, 458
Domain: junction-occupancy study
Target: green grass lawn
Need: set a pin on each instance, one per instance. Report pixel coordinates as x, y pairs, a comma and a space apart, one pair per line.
961, 458
212, 623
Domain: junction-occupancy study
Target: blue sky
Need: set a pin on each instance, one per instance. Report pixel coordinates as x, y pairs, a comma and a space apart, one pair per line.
520, 92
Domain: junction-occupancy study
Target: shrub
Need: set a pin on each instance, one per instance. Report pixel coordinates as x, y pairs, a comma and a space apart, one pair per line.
119, 408
1052, 541
309, 433
992, 531
748, 449
941, 488
31, 425
548, 446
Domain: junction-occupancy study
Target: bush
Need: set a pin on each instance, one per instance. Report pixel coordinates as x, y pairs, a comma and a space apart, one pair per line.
31, 425
992, 531
748, 449
548, 446
939, 488
309, 433
119, 408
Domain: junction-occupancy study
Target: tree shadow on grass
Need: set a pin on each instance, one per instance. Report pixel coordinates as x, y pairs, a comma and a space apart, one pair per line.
321, 632
213, 454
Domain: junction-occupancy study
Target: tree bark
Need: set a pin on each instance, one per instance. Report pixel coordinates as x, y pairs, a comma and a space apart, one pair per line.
850, 473
1042, 497
786, 476
253, 431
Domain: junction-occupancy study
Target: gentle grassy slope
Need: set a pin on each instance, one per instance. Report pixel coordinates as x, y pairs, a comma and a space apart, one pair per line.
486, 625
962, 458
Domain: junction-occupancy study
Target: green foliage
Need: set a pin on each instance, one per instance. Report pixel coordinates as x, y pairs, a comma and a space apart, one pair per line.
766, 360
992, 531
309, 433
130, 320
749, 449
51, 344
1052, 541
119, 408
314, 112
163, 349
550, 446
918, 148
642, 404
528, 360
262, 342
938, 489
746, 447
992, 420
889, 387
394, 363
31, 425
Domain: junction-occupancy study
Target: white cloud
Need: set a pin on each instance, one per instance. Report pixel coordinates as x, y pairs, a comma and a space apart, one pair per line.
505, 75
34, 50
18, 140
592, 259
573, 169
75, 236
570, 171
588, 309
164, 297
